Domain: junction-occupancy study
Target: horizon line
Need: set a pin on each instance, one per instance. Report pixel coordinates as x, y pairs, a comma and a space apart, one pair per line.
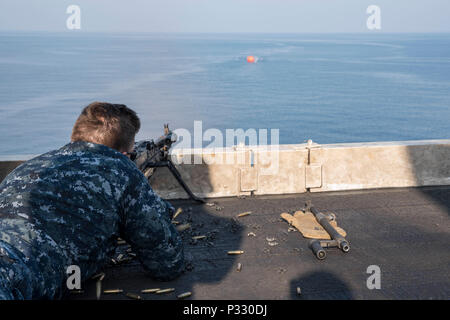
232, 32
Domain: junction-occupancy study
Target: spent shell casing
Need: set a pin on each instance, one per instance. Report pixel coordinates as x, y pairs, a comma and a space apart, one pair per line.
243, 214
184, 295
165, 290
98, 286
239, 267
177, 213
133, 296
98, 276
77, 291
120, 242
236, 252
112, 291
198, 237
299, 291
119, 257
183, 227
150, 290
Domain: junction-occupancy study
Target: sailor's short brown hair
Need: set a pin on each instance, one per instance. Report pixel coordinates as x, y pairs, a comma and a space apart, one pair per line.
113, 125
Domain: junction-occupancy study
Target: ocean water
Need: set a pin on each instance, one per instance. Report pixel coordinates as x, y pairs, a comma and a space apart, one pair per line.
330, 88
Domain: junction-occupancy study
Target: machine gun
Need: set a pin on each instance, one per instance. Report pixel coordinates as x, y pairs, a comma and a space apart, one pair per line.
148, 155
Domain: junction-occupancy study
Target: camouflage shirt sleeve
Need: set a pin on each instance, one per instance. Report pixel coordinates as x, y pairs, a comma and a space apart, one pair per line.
148, 229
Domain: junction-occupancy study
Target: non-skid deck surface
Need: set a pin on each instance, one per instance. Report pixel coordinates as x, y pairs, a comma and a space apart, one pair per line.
406, 232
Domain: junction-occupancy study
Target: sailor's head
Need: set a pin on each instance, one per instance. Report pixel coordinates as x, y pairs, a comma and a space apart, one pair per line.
113, 125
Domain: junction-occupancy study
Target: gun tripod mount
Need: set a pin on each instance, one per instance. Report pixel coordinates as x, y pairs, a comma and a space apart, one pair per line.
316, 245
168, 163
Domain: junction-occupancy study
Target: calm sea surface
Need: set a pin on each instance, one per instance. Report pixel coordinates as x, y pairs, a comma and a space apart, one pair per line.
328, 88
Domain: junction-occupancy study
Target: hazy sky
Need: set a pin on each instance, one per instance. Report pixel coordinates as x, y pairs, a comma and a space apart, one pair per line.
295, 16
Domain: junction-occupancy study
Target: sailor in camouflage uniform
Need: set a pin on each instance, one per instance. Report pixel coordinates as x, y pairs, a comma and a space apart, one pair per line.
69, 206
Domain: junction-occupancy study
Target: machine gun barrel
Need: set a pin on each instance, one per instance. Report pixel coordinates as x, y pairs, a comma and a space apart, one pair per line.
341, 242
318, 245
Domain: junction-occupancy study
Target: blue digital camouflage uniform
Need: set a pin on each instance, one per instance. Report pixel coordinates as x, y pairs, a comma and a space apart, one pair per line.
68, 207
